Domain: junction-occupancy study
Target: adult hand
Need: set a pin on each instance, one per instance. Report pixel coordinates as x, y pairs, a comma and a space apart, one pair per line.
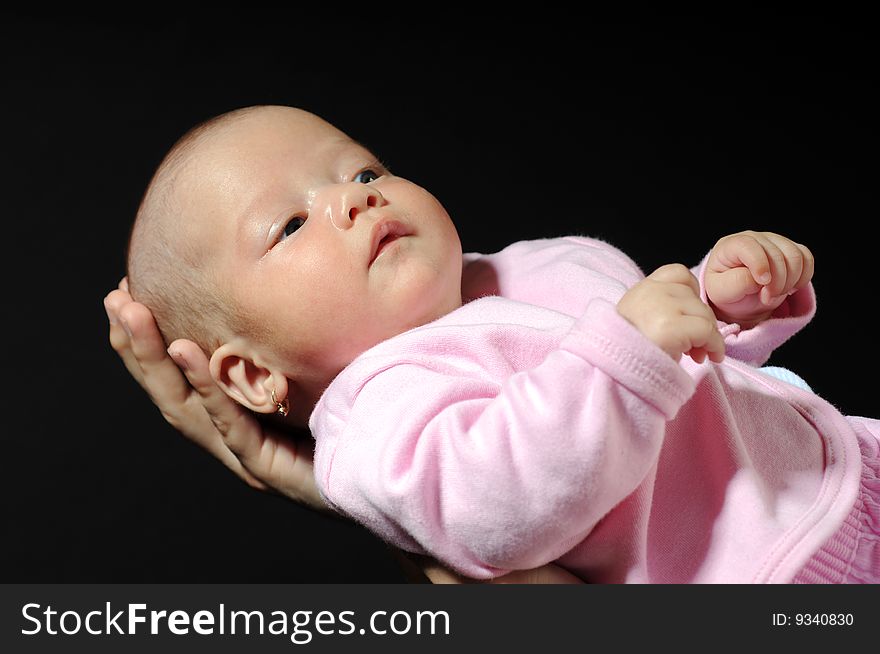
546, 574
265, 457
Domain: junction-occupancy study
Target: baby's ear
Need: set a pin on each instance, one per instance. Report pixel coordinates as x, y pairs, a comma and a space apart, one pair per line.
244, 381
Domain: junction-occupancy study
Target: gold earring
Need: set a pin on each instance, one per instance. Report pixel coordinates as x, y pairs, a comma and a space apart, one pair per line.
282, 407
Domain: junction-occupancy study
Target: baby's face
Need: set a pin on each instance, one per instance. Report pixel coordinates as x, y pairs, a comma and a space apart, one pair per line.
318, 242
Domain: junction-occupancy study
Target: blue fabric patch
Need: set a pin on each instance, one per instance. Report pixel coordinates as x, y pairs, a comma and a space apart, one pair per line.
786, 375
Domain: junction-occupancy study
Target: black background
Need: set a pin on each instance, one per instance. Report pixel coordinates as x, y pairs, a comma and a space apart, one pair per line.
658, 133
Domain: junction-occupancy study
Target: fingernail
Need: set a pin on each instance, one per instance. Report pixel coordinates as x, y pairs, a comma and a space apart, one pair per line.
177, 357
111, 315
764, 279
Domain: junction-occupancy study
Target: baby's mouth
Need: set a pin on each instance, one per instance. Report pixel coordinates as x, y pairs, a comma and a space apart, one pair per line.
385, 233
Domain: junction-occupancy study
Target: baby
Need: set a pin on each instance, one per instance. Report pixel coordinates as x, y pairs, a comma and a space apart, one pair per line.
503, 411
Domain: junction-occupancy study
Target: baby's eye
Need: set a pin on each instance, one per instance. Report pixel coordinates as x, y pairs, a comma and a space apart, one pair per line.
292, 225
367, 176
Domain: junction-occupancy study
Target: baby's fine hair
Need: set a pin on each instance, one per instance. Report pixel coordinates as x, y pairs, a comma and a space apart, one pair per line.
167, 272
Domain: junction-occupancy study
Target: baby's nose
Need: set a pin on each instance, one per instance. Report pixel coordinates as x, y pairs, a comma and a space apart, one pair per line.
350, 200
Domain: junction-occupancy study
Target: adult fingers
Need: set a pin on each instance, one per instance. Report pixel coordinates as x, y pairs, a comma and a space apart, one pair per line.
139, 344
219, 410
546, 574
161, 378
281, 463
294, 471
225, 413
120, 340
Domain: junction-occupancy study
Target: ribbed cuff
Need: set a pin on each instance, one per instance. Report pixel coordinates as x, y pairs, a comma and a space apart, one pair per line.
610, 342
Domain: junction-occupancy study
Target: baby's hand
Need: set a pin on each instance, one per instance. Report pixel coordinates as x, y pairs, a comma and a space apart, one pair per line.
666, 307
750, 274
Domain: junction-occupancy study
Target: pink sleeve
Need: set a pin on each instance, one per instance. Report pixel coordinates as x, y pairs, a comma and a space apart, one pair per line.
489, 476
755, 345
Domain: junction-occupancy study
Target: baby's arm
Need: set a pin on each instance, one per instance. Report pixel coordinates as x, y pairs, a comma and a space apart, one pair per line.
489, 476
555, 272
758, 284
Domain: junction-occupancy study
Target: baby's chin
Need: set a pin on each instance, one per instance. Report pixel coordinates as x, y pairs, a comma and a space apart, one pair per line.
420, 287
421, 304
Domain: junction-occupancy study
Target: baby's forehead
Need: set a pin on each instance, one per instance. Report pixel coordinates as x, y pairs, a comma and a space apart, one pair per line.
264, 137
244, 159
268, 126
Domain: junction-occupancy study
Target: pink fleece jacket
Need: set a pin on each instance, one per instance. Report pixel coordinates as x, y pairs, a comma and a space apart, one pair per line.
536, 424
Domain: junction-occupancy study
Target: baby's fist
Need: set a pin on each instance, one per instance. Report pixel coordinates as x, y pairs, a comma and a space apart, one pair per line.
750, 274
666, 307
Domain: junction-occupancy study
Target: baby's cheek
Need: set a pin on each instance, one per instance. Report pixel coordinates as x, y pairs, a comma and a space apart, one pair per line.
418, 201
